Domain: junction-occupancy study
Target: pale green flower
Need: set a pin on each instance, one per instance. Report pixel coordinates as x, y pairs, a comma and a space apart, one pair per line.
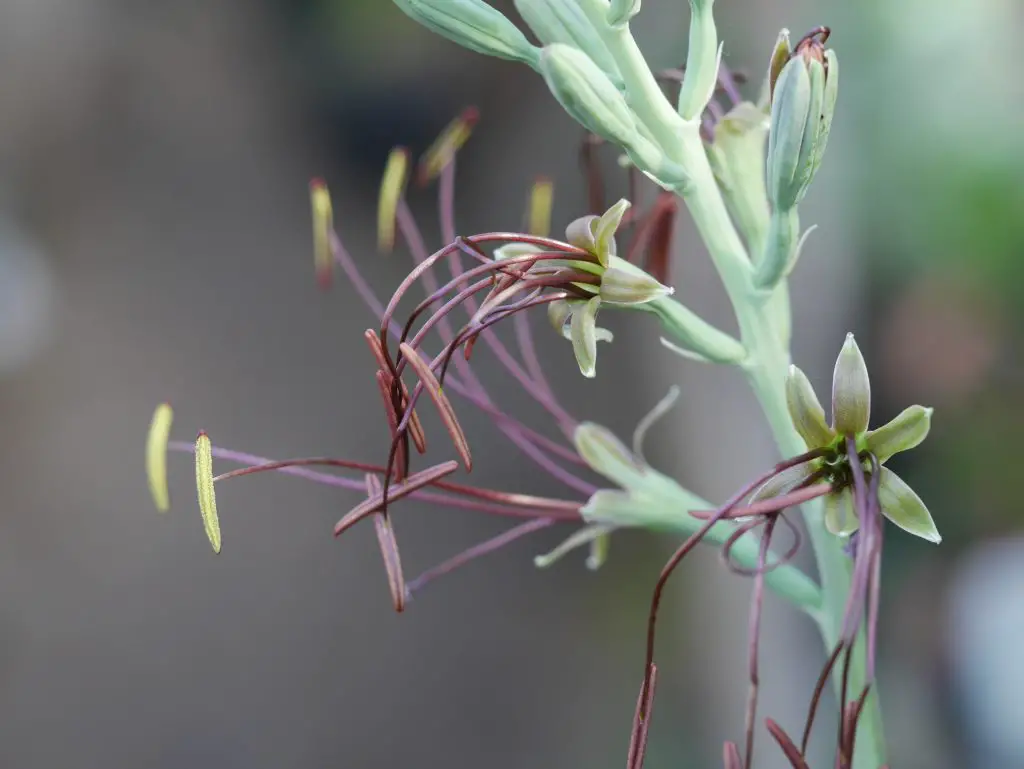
851, 409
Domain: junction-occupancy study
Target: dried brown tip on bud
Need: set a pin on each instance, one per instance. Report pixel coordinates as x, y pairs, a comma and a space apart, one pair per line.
392, 187
388, 549
323, 224
444, 406
812, 46
419, 438
443, 150
396, 491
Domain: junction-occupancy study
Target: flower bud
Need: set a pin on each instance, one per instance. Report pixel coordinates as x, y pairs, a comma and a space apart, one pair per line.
737, 156
703, 58
473, 24
802, 104
780, 55
630, 286
587, 94
590, 97
563, 21
851, 391
622, 11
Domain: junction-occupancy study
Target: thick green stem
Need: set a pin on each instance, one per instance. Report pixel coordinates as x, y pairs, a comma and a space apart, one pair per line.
766, 366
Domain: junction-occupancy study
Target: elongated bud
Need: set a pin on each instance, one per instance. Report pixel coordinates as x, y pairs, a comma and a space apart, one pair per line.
563, 21
780, 55
851, 391
323, 224
779, 247
802, 105
630, 286
620, 12
449, 141
702, 61
156, 456
473, 24
789, 120
737, 157
392, 187
586, 93
541, 202
606, 454
204, 488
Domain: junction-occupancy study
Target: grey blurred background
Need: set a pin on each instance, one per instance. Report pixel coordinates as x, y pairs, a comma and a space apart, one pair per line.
154, 244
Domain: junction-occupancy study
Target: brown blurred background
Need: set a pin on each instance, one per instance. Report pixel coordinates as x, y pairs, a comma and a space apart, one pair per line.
154, 244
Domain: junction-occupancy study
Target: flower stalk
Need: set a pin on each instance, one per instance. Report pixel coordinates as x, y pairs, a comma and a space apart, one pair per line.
715, 160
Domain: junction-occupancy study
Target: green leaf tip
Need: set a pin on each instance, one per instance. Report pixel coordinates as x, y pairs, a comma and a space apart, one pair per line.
204, 487
156, 456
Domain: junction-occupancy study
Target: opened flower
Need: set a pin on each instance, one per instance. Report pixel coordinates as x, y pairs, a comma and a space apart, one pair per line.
851, 411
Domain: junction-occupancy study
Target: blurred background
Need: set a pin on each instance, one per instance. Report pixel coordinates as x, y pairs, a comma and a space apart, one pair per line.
154, 244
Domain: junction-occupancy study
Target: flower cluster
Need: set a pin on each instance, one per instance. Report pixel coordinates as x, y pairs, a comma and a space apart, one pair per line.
590, 64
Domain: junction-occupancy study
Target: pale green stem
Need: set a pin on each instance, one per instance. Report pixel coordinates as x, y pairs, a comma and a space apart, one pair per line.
767, 351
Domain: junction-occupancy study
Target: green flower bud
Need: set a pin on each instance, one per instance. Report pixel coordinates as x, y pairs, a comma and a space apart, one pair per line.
590, 97
607, 455
786, 133
475, 25
622, 11
780, 55
703, 59
563, 21
803, 98
851, 391
587, 94
737, 157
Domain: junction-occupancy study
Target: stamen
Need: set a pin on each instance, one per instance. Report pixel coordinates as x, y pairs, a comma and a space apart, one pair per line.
693, 541
644, 706
444, 406
795, 757
477, 551
819, 687
507, 504
754, 633
396, 491
388, 548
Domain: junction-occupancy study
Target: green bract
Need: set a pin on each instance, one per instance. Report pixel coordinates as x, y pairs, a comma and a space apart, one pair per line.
851, 409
